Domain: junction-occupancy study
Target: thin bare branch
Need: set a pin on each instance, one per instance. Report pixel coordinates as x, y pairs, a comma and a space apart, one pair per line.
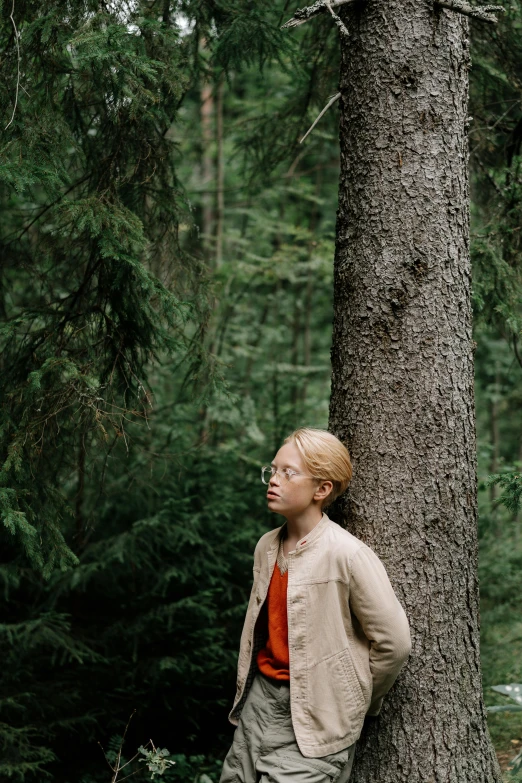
118, 758
330, 103
337, 19
106, 759
11, 16
129, 776
485, 13
302, 15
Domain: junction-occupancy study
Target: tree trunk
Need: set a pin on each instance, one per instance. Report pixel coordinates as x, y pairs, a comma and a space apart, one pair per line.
308, 297
297, 381
220, 211
402, 384
207, 162
494, 437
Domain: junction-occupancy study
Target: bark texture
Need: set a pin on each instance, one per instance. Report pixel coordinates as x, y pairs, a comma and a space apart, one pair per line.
402, 385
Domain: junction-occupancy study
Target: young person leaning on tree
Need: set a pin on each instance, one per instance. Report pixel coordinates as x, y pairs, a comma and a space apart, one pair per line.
324, 636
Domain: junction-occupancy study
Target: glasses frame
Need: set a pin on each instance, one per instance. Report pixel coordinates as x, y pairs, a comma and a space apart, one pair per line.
286, 474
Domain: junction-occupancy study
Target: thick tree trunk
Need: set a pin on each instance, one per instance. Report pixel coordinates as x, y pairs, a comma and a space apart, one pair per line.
402, 385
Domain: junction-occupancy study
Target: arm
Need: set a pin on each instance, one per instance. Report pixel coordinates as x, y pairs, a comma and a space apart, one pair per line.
383, 621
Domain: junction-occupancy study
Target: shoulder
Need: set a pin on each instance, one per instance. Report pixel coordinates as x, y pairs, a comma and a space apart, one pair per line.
340, 538
348, 547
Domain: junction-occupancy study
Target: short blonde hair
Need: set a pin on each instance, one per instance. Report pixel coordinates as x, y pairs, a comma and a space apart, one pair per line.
325, 457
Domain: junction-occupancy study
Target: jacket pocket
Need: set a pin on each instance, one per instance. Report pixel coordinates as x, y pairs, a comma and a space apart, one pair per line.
335, 699
362, 670
351, 676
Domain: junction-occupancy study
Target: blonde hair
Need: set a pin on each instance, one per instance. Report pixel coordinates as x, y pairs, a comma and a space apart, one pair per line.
325, 457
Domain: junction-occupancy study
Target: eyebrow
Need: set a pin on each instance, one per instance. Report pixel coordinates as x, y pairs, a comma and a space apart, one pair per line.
292, 467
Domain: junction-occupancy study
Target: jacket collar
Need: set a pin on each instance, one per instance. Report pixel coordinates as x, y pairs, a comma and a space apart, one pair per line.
306, 540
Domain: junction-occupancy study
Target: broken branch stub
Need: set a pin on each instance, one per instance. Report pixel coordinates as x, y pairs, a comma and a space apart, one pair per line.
302, 15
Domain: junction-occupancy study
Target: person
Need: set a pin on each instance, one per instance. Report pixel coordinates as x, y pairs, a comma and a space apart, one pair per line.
324, 636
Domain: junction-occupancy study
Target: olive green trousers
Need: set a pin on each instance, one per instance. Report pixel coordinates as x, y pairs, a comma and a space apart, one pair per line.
264, 747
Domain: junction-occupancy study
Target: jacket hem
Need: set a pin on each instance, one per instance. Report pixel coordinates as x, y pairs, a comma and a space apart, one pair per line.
316, 751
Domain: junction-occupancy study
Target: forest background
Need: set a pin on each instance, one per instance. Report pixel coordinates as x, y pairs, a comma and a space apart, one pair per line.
166, 306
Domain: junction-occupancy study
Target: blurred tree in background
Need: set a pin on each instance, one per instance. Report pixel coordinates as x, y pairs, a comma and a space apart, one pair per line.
166, 308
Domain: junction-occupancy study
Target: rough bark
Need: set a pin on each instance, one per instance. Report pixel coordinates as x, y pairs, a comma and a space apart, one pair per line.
402, 386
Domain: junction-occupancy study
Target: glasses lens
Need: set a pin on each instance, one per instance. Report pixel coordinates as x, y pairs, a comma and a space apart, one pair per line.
266, 474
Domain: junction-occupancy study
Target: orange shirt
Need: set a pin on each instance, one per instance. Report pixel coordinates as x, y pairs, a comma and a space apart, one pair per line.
273, 660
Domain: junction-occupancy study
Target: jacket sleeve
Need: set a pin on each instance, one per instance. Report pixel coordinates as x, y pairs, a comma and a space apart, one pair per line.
383, 621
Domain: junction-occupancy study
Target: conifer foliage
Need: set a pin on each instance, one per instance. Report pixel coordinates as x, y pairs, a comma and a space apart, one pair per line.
96, 291
89, 244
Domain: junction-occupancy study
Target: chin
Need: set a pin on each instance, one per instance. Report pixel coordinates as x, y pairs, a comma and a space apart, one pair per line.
270, 505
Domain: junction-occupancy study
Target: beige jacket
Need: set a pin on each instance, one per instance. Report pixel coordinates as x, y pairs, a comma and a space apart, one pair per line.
348, 635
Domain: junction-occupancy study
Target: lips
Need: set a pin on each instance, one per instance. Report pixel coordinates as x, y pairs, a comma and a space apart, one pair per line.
272, 494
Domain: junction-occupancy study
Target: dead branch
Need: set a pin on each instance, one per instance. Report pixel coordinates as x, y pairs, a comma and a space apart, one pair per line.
330, 102
302, 15
17, 39
485, 13
337, 19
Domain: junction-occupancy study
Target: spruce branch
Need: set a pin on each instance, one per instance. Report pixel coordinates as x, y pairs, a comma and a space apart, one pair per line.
330, 103
44, 209
485, 13
11, 16
302, 15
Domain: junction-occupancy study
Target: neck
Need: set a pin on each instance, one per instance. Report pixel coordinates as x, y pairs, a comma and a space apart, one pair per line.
298, 525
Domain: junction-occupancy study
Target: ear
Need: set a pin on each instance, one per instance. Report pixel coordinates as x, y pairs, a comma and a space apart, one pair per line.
323, 490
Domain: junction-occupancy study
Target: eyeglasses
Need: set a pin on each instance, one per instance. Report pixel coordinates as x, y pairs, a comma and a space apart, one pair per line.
286, 474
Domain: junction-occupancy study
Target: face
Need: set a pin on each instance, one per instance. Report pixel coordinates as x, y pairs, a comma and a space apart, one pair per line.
294, 496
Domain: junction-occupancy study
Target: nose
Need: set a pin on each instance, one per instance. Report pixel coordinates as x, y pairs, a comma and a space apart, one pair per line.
272, 480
